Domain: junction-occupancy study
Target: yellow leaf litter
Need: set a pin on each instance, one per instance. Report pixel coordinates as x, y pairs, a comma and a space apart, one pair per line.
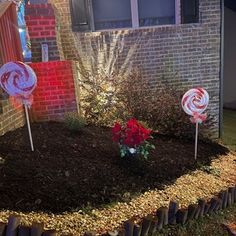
186, 190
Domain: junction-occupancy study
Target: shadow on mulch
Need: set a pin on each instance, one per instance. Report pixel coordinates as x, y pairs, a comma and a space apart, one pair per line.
69, 172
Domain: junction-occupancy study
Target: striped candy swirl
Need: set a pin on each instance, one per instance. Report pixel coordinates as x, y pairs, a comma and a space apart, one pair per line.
195, 101
18, 79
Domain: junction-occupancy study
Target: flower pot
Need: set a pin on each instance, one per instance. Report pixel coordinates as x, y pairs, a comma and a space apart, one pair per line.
132, 153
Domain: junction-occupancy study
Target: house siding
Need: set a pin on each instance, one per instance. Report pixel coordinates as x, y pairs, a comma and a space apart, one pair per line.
184, 55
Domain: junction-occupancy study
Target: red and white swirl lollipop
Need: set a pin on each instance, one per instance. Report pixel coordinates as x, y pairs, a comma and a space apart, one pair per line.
194, 103
18, 80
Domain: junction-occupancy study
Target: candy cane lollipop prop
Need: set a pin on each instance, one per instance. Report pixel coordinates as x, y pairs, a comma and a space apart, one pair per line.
19, 80
194, 103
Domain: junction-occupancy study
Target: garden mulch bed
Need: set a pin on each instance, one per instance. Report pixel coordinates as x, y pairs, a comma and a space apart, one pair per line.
68, 175
69, 171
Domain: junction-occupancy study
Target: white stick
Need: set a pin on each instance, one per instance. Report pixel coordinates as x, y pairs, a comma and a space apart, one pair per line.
196, 141
29, 129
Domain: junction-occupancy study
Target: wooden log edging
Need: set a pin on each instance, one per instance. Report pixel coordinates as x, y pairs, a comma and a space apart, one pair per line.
149, 225
229, 229
14, 228
174, 215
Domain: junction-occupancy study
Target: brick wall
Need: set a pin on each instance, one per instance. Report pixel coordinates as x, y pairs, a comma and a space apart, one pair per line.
55, 91
40, 20
185, 55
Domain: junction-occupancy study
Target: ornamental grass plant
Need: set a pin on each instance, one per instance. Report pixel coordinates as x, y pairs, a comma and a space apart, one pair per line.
74, 122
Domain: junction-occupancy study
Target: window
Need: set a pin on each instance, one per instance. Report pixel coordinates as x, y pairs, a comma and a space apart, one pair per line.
92, 15
110, 14
156, 12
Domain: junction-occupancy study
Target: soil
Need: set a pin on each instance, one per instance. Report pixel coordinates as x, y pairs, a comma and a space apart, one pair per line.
68, 171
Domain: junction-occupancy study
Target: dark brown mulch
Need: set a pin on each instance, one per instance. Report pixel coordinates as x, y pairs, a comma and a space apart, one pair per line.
70, 171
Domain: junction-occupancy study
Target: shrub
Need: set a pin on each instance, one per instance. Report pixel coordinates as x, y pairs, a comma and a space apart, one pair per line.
159, 107
74, 122
105, 98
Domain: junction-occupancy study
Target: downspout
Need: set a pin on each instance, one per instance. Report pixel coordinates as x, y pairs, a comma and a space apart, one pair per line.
221, 71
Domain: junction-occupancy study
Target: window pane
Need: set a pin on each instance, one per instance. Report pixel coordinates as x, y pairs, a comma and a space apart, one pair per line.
156, 12
109, 14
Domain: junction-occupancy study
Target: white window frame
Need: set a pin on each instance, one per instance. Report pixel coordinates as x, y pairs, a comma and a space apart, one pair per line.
135, 15
177, 12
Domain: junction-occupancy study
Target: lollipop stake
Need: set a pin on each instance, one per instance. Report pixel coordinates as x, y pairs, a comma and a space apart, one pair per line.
196, 141
194, 103
19, 80
29, 129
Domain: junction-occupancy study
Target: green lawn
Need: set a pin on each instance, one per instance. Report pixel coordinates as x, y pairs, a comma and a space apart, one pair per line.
229, 135
211, 225
207, 226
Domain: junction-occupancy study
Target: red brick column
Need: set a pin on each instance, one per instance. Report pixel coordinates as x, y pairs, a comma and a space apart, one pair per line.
40, 20
55, 91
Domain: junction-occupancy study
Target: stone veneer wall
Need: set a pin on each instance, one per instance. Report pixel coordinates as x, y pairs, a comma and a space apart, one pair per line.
11, 116
184, 55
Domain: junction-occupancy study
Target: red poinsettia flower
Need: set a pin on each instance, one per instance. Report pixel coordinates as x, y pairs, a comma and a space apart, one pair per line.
116, 132
132, 123
132, 135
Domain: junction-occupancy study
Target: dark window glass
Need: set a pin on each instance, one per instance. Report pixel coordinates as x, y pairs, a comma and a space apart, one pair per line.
156, 12
110, 14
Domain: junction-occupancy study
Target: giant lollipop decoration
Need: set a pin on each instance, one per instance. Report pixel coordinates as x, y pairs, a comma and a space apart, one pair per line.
194, 103
19, 80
